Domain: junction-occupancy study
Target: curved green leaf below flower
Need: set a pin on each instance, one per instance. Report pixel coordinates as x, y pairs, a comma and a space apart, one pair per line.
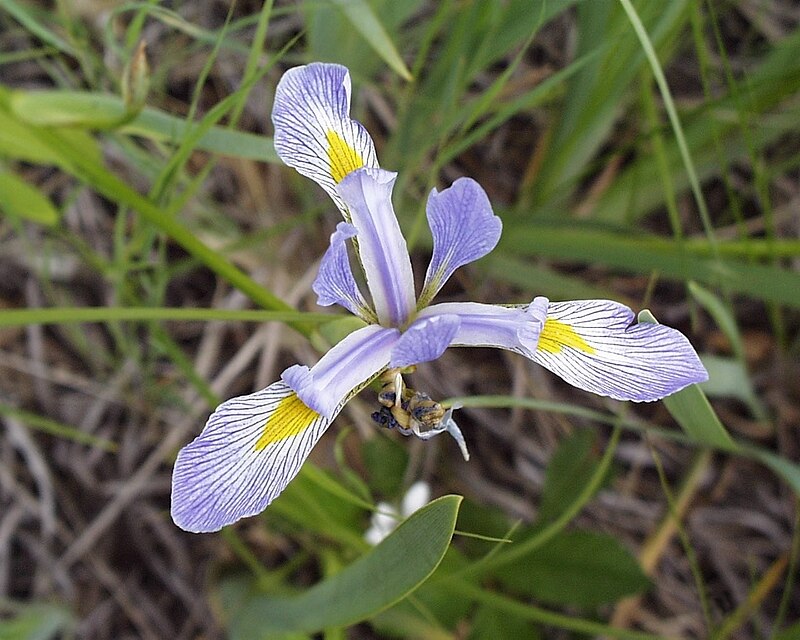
252, 446
403, 560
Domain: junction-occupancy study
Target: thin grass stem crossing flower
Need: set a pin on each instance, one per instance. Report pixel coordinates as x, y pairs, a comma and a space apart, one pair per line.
252, 446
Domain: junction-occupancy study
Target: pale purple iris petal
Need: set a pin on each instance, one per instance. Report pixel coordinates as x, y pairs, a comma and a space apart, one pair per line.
231, 470
487, 325
381, 246
593, 345
335, 283
464, 229
425, 340
313, 130
342, 370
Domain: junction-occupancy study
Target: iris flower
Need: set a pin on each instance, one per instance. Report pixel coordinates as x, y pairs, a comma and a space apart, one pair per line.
252, 446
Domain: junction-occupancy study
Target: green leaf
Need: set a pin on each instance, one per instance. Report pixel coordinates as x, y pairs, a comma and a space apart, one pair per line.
434, 599
385, 461
546, 281
21, 200
692, 411
55, 108
102, 110
570, 468
17, 142
84, 165
382, 577
339, 328
727, 377
721, 315
310, 505
22, 141
490, 624
364, 20
577, 568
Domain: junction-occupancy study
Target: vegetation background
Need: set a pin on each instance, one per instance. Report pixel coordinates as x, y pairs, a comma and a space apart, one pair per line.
150, 243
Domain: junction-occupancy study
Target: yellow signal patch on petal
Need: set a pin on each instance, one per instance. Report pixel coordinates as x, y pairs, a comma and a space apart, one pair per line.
556, 335
343, 158
290, 418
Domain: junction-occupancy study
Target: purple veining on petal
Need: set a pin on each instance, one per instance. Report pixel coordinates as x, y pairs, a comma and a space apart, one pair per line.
464, 229
620, 359
223, 475
311, 101
335, 283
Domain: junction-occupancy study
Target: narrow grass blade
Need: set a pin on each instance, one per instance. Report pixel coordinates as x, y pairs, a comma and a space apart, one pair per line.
382, 577
525, 611
596, 96
101, 110
692, 411
731, 373
672, 112
56, 108
647, 254
540, 280
57, 429
22, 14
73, 315
364, 20
637, 191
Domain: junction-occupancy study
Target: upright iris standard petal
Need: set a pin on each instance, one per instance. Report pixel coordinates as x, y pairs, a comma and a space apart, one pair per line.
335, 283
249, 450
594, 345
313, 130
464, 229
425, 340
381, 245
343, 370
487, 325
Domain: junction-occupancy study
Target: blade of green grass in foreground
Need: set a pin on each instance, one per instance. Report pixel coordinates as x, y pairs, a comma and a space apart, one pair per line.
364, 20
382, 577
